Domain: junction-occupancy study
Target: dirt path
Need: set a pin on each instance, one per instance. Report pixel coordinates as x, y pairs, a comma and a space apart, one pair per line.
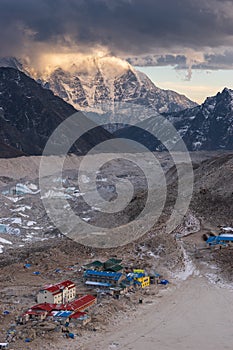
194, 315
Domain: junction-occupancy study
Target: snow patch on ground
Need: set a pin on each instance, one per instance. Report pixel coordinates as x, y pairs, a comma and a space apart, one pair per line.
189, 268
17, 221
214, 278
86, 219
32, 187
4, 241
14, 199
21, 208
31, 223
78, 194
24, 215
24, 189
54, 194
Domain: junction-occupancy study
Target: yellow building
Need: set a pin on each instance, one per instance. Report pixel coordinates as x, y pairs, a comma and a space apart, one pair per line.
145, 281
138, 271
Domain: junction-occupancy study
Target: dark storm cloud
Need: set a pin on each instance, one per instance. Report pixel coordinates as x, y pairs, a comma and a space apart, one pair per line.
212, 61
217, 61
157, 60
130, 27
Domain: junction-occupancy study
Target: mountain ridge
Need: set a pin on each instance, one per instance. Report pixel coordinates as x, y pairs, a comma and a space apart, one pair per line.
205, 127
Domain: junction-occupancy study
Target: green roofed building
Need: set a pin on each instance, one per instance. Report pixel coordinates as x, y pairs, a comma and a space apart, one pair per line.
95, 265
115, 268
112, 265
113, 261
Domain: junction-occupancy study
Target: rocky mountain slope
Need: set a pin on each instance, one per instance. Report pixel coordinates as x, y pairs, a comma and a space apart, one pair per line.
12, 62
213, 190
205, 127
209, 126
29, 114
125, 85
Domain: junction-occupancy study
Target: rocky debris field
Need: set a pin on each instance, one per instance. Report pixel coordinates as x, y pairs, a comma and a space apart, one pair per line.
23, 218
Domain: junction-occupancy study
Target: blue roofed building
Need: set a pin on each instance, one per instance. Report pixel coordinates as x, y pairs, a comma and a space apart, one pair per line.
103, 277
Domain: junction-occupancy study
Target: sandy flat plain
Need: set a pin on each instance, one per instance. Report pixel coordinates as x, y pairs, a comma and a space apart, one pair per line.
192, 315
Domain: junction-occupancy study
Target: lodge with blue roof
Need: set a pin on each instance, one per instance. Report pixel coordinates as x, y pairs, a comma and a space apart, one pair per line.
103, 277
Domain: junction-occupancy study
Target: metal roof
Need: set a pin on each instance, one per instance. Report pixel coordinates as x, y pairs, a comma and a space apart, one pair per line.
95, 263
227, 229
112, 261
115, 261
72, 306
63, 314
219, 239
230, 235
45, 307
136, 275
57, 287
115, 268
81, 303
100, 284
111, 275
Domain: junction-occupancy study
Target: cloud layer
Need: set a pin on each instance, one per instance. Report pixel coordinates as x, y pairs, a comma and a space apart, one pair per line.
174, 30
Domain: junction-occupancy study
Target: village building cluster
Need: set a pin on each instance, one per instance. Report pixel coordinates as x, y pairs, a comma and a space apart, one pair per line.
63, 303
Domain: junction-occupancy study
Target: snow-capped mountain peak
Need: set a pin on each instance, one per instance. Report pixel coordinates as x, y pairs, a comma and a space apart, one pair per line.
88, 82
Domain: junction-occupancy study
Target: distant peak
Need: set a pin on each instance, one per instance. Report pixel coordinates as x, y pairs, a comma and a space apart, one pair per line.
227, 91
225, 94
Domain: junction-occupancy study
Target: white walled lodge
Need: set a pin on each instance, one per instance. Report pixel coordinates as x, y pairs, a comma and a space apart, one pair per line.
60, 293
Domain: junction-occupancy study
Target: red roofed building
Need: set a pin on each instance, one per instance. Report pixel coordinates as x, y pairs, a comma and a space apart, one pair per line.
60, 293
46, 307
43, 310
81, 304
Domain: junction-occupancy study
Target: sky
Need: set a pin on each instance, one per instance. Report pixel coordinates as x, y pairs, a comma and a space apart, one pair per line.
186, 45
204, 83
